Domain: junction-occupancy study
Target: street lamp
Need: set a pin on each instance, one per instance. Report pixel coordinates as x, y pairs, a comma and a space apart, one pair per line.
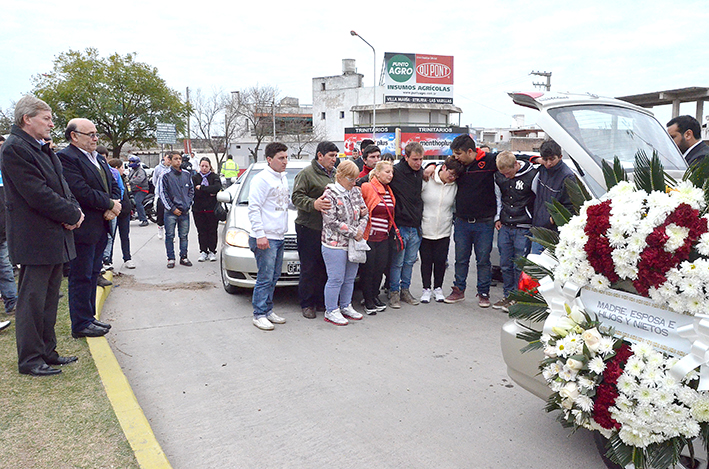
374, 88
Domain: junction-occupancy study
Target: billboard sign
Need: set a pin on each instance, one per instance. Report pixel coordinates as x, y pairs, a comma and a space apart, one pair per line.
418, 78
436, 141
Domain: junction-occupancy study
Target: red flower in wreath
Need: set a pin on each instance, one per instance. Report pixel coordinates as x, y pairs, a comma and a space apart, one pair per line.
598, 249
655, 260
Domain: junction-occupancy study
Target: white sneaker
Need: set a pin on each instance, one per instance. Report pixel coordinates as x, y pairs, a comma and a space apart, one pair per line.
129, 264
202, 257
161, 232
212, 257
438, 293
336, 318
350, 312
426, 295
275, 319
263, 324
4, 324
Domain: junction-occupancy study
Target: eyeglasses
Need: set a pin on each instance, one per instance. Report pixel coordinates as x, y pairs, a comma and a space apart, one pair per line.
90, 135
352, 180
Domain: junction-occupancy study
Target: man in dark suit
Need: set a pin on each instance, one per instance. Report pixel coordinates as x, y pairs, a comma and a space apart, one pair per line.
93, 186
41, 214
687, 134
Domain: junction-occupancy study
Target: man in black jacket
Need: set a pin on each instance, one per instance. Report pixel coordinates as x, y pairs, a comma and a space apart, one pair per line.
474, 218
98, 194
687, 134
41, 214
408, 213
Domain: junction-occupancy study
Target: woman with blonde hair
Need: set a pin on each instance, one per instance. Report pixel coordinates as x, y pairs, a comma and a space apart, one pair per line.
380, 204
343, 224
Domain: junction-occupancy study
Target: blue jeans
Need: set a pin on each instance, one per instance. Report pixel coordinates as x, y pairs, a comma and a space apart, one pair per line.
108, 252
341, 275
468, 236
139, 196
8, 287
536, 248
183, 227
402, 262
513, 243
269, 263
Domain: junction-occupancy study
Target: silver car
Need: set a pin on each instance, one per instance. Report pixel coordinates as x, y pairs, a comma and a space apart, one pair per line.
589, 129
236, 261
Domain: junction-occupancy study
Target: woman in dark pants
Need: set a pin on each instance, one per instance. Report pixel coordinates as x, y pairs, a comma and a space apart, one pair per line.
123, 219
380, 203
206, 185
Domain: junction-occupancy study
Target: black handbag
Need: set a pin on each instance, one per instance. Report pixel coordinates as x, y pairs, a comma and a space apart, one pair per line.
394, 235
220, 211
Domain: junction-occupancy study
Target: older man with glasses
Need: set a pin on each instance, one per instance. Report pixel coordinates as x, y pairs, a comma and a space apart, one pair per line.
90, 180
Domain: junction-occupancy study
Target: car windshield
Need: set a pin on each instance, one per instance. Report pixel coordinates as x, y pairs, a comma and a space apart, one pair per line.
246, 183
608, 131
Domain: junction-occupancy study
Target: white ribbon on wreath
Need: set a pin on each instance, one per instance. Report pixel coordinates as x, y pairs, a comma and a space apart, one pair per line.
558, 295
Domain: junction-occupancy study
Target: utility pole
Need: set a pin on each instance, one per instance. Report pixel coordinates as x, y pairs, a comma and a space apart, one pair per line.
543, 74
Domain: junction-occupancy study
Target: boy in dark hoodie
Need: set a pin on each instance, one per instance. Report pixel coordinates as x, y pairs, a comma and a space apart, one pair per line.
548, 185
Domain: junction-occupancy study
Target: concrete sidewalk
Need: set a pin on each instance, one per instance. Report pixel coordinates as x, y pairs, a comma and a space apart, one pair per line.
422, 386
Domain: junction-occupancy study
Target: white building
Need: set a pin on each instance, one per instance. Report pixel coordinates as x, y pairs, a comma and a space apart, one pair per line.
342, 106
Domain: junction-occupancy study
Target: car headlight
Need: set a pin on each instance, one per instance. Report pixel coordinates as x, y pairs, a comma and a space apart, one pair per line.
237, 237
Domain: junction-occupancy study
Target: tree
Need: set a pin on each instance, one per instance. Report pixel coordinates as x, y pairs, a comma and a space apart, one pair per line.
124, 98
254, 109
7, 118
215, 121
300, 134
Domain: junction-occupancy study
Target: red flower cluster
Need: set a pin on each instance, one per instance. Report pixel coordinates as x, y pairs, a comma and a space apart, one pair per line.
598, 249
655, 261
607, 391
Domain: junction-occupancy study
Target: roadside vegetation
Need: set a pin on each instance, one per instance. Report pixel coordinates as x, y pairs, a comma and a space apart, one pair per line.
62, 421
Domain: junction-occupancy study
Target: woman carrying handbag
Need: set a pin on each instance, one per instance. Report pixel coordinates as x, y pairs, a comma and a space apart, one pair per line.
380, 203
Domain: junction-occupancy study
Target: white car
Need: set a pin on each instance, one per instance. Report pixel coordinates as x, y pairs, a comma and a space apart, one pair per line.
236, 261
589, 129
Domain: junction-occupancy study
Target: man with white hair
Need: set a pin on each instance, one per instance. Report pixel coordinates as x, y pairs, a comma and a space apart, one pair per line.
41, 214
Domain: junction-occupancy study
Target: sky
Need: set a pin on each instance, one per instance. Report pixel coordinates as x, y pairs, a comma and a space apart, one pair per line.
608, 48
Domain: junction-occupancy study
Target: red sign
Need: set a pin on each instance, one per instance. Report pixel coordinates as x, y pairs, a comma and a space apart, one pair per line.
436, 69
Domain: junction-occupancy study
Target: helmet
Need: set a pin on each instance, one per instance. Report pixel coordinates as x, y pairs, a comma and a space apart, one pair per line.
134, 159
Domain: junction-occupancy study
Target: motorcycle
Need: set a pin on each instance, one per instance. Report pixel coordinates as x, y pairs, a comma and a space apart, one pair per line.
148, 206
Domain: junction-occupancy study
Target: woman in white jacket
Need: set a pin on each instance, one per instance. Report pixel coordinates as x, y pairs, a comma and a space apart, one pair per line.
438, 194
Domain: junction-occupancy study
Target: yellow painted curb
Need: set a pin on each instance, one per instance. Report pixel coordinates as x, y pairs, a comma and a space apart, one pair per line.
133, 422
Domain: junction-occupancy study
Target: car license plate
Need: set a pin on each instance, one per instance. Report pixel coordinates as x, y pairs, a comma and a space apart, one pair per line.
293, 267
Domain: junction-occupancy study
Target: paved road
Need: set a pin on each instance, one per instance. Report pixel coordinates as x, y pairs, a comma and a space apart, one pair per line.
421, 387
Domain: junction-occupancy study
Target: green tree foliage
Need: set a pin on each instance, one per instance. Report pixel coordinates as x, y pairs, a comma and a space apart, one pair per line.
124, 98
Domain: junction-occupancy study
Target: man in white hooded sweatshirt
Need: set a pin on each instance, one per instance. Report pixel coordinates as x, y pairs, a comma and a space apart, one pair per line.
269, 199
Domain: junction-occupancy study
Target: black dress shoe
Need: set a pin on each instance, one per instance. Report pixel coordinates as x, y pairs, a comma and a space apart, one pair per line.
41, 370
102, 282
62, 361
92, 330
105, 325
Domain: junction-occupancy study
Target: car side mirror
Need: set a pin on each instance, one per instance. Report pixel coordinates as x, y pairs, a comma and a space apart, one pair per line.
224, 196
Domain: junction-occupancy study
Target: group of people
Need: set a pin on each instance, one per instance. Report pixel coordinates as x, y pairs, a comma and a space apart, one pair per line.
59, 211
378, 218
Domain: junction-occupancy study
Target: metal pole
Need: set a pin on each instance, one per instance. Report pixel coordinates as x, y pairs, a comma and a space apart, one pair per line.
374, 87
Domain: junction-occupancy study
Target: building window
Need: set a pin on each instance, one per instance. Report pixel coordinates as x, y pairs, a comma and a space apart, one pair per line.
322, 86
322, 116
342, 114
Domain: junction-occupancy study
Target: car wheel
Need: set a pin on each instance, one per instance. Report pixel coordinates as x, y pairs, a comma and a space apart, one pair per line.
228, 287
